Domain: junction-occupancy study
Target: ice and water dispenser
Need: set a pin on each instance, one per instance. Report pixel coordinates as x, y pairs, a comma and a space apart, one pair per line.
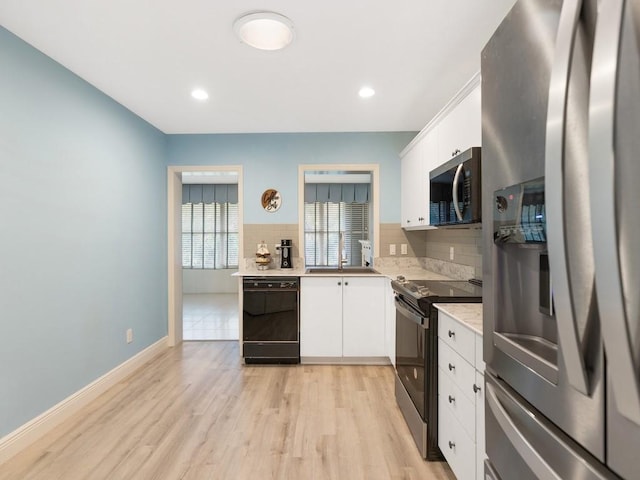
524, 321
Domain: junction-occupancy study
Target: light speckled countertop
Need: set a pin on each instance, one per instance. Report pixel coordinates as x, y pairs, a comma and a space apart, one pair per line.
390, 272
470, 314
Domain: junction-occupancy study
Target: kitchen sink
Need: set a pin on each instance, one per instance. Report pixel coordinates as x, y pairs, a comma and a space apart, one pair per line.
343, 270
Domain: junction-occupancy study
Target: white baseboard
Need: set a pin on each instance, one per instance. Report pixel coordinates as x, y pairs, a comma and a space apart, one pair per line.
31, 431
345, 360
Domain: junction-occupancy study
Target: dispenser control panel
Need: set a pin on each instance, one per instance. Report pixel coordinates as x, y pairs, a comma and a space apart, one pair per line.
519, 213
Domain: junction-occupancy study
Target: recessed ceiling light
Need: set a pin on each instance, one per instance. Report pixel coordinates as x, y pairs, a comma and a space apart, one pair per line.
264, 30
199, 94
366, 92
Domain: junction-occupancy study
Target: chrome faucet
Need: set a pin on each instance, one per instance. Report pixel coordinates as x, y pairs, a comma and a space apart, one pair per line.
343, 257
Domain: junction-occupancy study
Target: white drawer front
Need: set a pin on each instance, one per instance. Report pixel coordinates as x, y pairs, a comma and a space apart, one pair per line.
457, 447
479, 359
458, 337
457, 368
461, 406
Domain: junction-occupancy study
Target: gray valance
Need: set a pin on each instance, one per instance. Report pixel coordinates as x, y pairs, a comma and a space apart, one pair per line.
218, 193
337, 192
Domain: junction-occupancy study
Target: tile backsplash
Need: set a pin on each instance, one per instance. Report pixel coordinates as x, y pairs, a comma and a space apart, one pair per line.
466, 243
436, 245
271, 234
431, 246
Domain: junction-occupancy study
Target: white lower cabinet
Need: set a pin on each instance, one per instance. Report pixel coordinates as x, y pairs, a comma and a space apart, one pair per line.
342, 317
390, 323
321, 317
460, 398
480, 440
455, 443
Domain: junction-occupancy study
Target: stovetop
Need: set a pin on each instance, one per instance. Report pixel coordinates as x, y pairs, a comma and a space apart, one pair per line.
421, 293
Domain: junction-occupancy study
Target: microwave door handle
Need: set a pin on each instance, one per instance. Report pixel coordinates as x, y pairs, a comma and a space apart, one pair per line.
456, 180
602, 165
554, 173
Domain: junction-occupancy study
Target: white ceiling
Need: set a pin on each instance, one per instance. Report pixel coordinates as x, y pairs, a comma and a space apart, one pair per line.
149, 54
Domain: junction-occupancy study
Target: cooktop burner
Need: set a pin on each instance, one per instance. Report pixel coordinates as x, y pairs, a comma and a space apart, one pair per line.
421, 293
437, 288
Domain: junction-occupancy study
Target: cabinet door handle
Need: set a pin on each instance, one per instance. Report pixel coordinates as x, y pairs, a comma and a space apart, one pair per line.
339, 283
451, 367
452, 333
476, 388
346, 284
452, 399
452, 445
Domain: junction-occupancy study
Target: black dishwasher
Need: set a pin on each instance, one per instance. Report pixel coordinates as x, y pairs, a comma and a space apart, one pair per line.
270, 320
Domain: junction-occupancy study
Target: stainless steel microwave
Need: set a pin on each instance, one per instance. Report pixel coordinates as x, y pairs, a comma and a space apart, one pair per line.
454, 190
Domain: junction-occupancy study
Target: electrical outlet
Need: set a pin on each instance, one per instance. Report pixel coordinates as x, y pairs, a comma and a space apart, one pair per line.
129, 335
451, 253
392, 249
403, 248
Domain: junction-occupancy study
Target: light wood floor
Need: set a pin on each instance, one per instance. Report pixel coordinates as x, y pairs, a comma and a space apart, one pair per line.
197, 413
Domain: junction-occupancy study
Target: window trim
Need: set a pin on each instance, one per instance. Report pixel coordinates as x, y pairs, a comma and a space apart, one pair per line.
372, 168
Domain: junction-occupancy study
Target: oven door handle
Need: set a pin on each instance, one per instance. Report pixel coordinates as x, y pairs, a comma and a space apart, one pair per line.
408, 313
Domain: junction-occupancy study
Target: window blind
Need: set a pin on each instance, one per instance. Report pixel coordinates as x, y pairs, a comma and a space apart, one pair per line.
210, 226
323, 224
337, 192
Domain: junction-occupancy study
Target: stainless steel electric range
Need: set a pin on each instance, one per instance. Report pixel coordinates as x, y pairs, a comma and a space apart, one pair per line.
417, 352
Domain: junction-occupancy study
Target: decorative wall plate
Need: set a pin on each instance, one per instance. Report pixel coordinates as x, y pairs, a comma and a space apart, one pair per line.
271, 200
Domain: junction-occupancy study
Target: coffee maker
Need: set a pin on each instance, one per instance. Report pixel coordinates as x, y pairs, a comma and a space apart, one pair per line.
285, 254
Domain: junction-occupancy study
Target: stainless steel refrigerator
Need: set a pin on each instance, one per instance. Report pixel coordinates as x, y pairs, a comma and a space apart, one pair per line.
561, 240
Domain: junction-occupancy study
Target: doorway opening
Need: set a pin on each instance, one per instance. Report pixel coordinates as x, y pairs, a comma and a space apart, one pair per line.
205, 238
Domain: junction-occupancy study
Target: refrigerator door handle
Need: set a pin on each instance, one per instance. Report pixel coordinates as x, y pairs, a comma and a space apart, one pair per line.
456, 180
602, 159
531, 457
554, 193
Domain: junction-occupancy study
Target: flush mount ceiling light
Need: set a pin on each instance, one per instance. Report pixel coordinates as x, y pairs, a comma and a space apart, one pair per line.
366, 92
264, 30
199, 94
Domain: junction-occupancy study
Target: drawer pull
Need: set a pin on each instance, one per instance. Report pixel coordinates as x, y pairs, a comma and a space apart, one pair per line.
452, 399
451, 367
452, 445
476, 388
452, 333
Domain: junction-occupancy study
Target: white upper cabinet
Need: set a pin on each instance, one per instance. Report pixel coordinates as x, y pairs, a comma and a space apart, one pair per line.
411, 187
456, 131
461, 128
414, 178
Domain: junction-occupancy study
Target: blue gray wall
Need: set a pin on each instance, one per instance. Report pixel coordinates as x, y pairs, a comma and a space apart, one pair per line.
83, 220
83, 233
271, 161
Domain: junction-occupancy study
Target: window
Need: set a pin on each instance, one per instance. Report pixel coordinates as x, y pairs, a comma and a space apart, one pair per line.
209, 230
323, 224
